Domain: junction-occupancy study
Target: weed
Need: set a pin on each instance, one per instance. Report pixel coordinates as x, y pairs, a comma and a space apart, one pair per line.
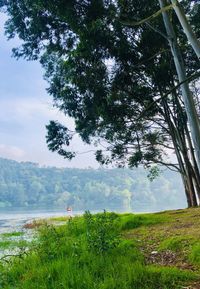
60, 219
102, 233
194, 255
8, 244
5, 244
87, 253
12, 234
176, 244
131, 221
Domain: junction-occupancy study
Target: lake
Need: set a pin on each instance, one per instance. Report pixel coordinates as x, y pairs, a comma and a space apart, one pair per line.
13, 220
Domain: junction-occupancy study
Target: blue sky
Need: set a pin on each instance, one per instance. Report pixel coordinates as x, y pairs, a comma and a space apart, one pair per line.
25, 110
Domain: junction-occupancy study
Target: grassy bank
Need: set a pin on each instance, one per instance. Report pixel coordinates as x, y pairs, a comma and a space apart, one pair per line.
110, 251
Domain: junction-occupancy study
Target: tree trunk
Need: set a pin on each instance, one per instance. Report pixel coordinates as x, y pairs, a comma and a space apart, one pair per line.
186, 93
184, 150
183, 161
186, 27
188, 148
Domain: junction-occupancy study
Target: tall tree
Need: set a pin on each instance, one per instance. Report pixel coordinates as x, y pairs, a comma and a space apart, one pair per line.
181, 71
186, 27
116, 81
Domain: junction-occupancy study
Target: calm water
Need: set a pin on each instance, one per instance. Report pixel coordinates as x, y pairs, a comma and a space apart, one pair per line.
13, 220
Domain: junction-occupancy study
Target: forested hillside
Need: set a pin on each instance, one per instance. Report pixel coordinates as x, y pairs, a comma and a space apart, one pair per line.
26, 184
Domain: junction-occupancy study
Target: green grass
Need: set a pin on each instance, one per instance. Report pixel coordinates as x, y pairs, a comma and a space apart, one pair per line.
176, 244
67, 257
10, 244
194, 255
60, 219
130, 221
12, 234
77, 268
9, 240
5, 244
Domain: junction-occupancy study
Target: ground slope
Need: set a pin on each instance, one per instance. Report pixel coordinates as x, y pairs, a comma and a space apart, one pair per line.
110, 251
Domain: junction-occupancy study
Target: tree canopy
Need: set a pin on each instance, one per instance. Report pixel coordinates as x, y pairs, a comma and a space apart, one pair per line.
117, 81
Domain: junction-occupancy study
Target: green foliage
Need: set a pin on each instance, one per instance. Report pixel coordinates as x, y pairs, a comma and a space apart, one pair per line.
28, 185
76, 226
60, 136
175, 243
8, 244
131, 221
74, 41
153, 173
102, 231
62, 259
194, 255
5, 244
51, 239
60, 219
12, 234
170, 277
118, 88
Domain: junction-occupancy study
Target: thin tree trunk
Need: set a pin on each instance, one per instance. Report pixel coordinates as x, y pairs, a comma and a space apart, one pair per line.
186, 93
187, 169
195, 168
179, 131
189, 188
189, 149
186, 27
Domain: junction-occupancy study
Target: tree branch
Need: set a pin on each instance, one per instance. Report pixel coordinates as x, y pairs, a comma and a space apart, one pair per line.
188, 79
156, 30
156, 14
172, 167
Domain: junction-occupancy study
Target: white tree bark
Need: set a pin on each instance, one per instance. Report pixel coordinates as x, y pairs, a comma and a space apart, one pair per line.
186, 93
186, 27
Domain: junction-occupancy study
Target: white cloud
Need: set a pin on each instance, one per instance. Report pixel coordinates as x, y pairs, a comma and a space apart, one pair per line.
25, 110
23, 133
30, 109
11, 152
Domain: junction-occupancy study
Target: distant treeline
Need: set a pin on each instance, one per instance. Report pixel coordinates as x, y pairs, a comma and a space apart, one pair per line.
26, 184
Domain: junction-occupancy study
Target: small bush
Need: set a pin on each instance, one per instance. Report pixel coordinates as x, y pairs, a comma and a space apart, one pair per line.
76, 226
88, 254
102, 233
50, 240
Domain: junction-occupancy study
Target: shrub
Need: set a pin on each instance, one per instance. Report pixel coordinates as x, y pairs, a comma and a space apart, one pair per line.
102, 233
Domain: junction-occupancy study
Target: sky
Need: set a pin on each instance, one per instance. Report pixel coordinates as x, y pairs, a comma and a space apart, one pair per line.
25, 109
